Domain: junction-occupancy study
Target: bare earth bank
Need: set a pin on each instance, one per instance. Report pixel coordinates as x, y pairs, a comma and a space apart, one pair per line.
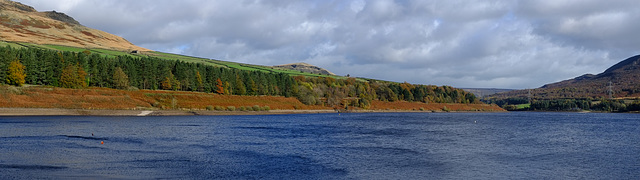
104, 112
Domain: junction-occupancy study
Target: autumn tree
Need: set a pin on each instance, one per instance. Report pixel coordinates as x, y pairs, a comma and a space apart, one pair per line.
120, 79
16, 75
240, 89
73, 77
219, 86
170, 82
227, 88
199, 79
253, 88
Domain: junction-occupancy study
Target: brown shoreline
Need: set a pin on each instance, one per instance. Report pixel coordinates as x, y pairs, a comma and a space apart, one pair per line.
116, 112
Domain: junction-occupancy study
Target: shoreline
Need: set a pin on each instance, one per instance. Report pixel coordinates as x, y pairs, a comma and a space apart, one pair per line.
8, 112
122, 112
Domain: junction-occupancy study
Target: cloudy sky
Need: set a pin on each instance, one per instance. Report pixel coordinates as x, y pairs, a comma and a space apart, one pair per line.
484, 43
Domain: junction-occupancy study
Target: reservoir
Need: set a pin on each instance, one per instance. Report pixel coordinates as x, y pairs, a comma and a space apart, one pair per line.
514, 145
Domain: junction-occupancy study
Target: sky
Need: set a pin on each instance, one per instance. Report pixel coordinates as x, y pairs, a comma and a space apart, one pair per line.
513, 44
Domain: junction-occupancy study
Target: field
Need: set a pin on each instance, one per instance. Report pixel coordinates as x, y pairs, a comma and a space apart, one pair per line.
105, 98
523, 106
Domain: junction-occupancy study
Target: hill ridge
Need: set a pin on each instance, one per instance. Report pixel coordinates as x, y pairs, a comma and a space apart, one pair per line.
624, 77
23, 23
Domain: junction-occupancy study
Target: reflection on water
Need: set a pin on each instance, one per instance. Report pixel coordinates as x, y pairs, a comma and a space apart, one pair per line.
324, 146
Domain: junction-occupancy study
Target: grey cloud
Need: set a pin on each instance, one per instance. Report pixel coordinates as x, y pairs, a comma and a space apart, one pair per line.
491, 43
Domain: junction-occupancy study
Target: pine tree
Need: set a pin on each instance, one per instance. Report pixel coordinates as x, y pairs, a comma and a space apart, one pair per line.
120, 79
240, 89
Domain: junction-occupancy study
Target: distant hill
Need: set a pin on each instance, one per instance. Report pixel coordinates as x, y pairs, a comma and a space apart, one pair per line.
22, 23
622, 78
481, 92
304, 67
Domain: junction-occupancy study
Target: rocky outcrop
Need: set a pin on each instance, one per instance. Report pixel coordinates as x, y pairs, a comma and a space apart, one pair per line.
15, 6
61, 17
304, 67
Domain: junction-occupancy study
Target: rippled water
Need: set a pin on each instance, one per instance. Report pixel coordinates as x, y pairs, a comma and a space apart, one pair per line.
522, 145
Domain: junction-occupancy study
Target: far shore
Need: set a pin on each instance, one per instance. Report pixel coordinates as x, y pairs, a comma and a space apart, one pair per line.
116, 112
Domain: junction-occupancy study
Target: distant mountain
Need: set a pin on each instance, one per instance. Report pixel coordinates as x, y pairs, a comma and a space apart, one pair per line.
22, 23
623, 79
304, 67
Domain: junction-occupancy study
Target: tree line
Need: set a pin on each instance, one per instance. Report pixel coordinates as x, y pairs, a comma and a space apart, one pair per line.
568, 104
606, 105
82, 69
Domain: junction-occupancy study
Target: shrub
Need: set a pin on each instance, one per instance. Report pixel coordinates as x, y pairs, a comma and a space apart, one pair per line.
231, 108
242, 108
445, 109
266, 108
133, 88
209, 107
218, 108
256, 108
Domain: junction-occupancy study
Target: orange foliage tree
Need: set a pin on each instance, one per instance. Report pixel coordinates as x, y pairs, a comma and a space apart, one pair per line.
16, 73
73, 77
219, 87
170, 83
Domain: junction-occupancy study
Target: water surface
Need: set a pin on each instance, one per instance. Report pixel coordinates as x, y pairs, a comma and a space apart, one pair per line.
523, 145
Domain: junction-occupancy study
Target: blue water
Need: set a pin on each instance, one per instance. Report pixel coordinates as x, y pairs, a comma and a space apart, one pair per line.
523, 145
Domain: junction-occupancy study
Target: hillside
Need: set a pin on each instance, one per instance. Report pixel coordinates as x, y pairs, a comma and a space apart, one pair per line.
482, 92
22, 23
617, 89
624, 77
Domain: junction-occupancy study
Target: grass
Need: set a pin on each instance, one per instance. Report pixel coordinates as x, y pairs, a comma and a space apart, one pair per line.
523, 106
111, 53
10, 44
64, 48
